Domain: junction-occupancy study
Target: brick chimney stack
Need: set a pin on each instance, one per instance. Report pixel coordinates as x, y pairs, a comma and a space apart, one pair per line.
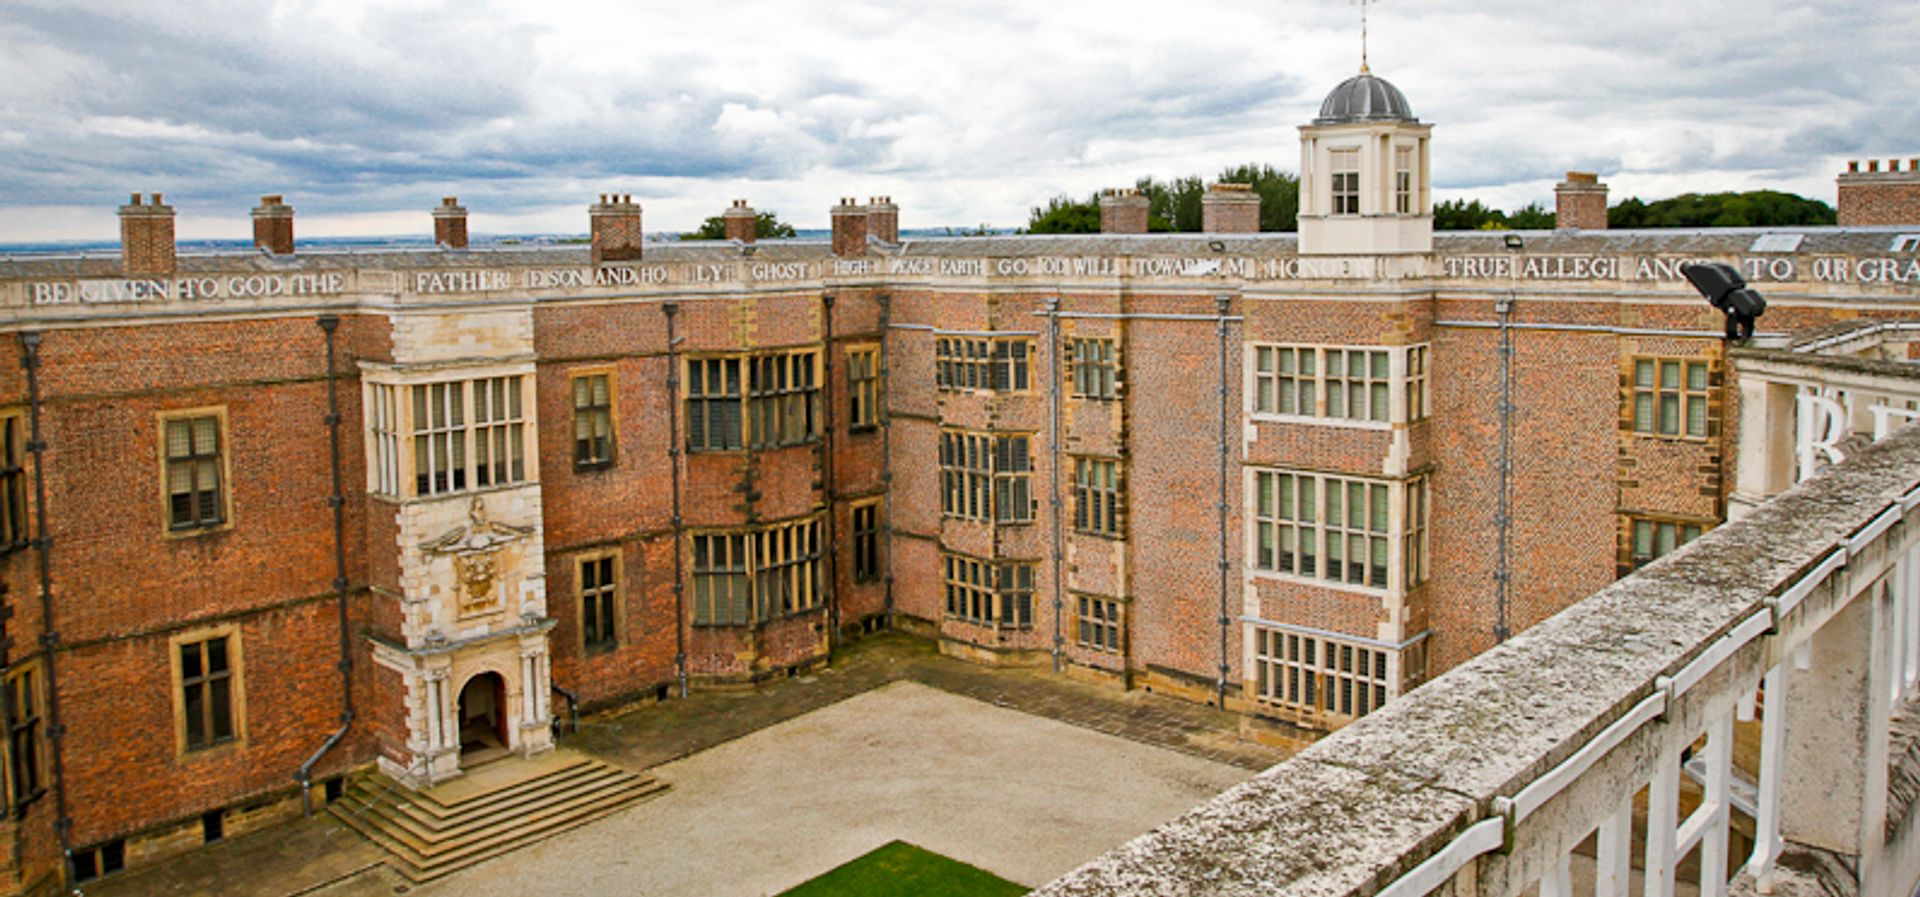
1580, 202
273, 225
146, 237
1123, 211
849, 229
740, 220
1230, 209
883, 219
1875, 197
450, 223
616, 228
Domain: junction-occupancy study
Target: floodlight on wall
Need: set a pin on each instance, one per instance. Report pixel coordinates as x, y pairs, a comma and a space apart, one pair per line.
1514, 242
1217, 245
1727, 291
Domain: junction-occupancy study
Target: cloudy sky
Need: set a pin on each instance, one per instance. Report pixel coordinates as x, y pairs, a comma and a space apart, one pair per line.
365, 112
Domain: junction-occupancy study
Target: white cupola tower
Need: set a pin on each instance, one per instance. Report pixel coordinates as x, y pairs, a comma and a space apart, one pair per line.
1364, 162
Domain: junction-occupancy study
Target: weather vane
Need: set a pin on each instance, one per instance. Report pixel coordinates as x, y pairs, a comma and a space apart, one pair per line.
1363, 4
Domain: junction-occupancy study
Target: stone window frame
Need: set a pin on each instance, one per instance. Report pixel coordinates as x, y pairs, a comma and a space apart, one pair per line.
1095, 363
765, 400
1403, 192
1681, 530
863, 386
498, 432
1281, 379
99, 860
783, 398
1264, 557
992, 593
1100, 622
1415, 558
610, 594
1419, 366
398, 384
1099, 508
224, 466
1653, 393
384, 439
1320, 675
607, 414
236, 669
983, 363
868, 558
754, 557
986, 476
1343, 181
15, 525
26, 686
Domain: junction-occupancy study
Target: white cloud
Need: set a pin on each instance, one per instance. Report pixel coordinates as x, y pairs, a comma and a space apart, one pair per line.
365, 111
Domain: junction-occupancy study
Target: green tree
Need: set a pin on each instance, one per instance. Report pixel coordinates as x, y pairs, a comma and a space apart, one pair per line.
1065, 215
1532, 216
766, 226
1279, 194
1754, 208
1176, 205
1461, 214
1172, 205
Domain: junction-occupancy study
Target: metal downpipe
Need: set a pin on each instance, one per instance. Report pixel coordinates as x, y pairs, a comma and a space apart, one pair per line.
828, 443
1222, 304
671, 310
49, 636
1053, 452
337, 501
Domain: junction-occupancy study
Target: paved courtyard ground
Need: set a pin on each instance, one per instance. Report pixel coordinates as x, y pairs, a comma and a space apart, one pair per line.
1023, 797
1021, 772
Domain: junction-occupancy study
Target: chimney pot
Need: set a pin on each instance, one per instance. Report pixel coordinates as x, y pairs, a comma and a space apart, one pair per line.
1230, 209
849, 228
739, 221
146, 238
617, 236
1580, 202
1123, 211
450, 224
273, 225
883, 219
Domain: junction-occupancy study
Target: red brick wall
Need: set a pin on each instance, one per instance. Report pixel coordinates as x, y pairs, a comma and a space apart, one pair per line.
1867, 203
118, 784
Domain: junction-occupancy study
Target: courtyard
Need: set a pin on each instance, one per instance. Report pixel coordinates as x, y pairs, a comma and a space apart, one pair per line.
1020, 773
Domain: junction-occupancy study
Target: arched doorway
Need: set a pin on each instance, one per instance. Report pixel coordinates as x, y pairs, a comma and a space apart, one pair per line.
483, 716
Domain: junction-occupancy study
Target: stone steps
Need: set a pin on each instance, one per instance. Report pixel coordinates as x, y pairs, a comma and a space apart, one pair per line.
439, 830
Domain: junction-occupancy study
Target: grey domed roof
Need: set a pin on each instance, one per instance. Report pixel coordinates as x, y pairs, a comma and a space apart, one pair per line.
1364, 97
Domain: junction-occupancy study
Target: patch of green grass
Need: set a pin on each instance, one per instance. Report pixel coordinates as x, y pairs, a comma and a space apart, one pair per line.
899, 869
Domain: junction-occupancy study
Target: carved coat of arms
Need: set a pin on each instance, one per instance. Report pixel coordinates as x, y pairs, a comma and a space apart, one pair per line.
475, 547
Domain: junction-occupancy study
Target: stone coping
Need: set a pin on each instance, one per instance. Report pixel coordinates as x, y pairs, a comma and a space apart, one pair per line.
1366, 804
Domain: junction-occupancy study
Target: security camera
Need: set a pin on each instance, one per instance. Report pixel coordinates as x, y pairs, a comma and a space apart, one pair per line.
1725, 290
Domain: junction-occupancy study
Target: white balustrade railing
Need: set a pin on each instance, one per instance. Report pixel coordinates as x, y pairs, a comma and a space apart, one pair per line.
1805, 614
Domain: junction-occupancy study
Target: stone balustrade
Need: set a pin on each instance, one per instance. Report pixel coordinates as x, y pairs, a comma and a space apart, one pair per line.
1804, 615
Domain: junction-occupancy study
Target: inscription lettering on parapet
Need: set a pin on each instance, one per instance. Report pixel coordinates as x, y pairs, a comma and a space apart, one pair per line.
241, 286
461, 281
1882, 270
1774, 268
778, 270
623, 276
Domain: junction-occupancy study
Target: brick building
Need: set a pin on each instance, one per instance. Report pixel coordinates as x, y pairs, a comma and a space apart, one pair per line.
305, 512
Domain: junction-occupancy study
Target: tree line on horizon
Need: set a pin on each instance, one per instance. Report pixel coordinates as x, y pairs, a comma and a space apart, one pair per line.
1173, 206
